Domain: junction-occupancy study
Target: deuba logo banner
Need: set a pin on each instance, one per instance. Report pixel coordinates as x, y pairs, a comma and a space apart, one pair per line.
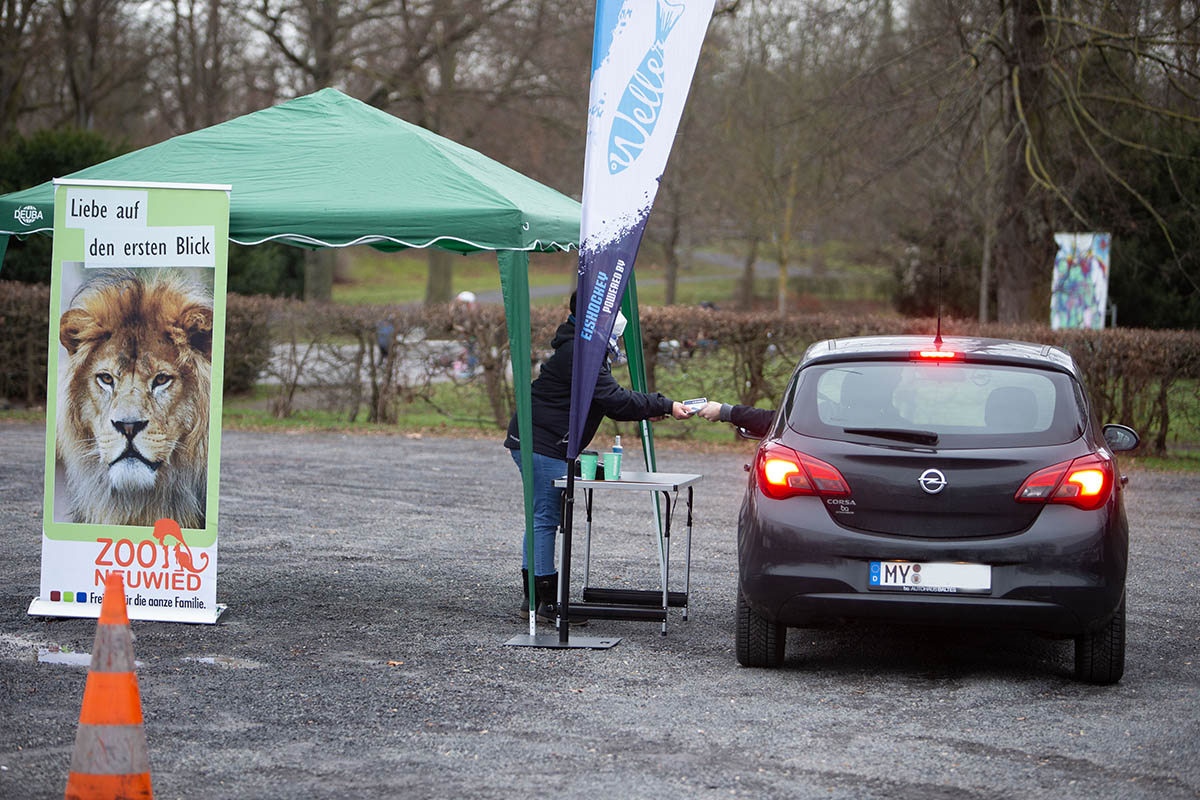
27, 215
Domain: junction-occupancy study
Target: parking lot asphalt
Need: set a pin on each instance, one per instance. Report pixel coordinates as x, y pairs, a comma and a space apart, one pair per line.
371, 583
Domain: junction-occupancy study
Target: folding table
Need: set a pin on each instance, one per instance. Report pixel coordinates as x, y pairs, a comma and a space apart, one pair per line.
633, 604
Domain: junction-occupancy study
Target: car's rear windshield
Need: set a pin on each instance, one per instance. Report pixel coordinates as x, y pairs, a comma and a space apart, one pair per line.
952, 405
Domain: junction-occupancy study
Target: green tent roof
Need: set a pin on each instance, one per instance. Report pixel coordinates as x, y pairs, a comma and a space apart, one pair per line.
328, 170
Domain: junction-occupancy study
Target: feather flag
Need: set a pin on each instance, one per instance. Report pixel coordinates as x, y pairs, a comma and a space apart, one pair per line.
643, 57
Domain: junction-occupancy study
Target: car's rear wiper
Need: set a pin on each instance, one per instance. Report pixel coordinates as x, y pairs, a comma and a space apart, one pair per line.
900, 434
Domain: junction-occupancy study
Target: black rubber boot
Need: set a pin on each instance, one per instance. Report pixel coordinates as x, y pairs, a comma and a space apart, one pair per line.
547, 599
546, 587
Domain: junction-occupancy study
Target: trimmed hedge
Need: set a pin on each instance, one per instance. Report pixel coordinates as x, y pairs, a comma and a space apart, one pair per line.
1132, 374
368, 361
24, 323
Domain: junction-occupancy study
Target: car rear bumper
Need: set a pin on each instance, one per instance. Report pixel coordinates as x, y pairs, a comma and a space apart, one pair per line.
1064, 575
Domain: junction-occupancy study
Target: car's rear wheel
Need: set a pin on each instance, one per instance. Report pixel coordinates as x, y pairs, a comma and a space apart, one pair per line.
760, 642
1100, 654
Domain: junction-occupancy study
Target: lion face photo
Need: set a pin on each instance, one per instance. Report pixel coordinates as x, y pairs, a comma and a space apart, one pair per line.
134, 395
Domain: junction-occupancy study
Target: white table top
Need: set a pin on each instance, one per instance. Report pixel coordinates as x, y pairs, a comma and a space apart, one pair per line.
637, 482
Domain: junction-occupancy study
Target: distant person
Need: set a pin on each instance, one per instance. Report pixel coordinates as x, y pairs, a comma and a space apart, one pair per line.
383, 336
703, 341
551, 401
468, 360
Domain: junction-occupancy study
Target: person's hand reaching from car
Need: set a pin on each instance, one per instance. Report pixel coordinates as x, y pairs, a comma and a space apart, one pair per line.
711, 411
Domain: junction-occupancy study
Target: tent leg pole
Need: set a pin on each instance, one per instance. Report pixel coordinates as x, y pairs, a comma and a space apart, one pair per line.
564, 569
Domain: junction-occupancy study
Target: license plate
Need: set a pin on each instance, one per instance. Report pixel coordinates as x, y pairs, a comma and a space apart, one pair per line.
936, 576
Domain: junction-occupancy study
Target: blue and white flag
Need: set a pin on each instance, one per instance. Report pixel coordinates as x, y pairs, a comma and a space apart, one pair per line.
643, 57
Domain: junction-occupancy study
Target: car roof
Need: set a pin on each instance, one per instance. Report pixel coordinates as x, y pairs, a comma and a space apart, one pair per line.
974, 349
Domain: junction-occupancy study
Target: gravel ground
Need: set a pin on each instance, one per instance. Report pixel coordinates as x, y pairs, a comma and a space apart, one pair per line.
372, 583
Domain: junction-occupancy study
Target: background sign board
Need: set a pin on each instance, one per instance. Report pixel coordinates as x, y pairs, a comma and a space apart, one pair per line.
1079, 291
136, 350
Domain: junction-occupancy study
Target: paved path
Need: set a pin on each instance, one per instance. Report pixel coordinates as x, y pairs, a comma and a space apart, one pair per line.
372, 582
432, 360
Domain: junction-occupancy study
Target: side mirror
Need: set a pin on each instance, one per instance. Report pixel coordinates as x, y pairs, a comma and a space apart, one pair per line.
745, 434
1121, 438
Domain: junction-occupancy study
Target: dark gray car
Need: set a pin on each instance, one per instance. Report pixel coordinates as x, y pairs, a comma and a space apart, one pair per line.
965, 482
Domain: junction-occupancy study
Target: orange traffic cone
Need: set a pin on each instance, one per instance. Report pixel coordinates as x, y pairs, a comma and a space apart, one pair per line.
110, 761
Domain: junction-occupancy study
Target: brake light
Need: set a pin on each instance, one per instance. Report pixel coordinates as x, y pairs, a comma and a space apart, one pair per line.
936, 354
784, 472
1089, 481
779, 470
1085, 482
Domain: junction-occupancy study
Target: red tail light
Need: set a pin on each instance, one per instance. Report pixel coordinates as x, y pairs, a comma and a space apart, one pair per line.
939, 355
784, 472
1085, 482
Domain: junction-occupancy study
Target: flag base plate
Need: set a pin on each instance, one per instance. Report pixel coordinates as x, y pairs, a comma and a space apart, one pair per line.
550, 640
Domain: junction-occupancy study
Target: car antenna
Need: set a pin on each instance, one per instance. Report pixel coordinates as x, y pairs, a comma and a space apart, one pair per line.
937, 339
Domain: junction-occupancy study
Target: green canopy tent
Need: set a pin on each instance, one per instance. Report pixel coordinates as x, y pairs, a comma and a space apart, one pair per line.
326, 170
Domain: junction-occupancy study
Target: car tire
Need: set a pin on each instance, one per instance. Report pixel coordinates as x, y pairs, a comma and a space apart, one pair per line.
1100, 654
760, 642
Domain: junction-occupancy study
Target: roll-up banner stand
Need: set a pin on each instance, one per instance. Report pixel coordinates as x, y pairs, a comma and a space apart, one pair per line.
133, 406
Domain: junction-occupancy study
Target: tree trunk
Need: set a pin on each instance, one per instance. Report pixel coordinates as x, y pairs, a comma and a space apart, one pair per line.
784, 239
1017, 283
441, 277
1022, 233
671, 254
781, 294
318, 275
985, 270
745, 293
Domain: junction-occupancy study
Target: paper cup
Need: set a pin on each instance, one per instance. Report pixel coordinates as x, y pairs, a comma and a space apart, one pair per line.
587, 466
612, 466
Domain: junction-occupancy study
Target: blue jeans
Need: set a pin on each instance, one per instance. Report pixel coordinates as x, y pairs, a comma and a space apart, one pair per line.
547, 510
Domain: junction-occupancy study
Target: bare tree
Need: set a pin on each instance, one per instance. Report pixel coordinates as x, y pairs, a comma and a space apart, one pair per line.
476, 71
781, 118
321, 40
105, 51
213, 69
1059, 83
22, 38
446, 65
684, 206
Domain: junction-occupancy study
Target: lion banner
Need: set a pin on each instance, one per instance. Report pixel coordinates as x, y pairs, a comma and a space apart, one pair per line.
133, 409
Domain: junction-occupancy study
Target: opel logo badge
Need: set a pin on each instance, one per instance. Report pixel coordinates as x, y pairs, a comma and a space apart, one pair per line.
932, 481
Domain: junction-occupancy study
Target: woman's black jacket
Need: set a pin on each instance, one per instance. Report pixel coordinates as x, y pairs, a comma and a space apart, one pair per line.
551, 401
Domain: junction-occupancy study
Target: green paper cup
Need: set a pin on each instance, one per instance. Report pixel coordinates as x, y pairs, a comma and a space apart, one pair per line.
612, 466
587, 466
